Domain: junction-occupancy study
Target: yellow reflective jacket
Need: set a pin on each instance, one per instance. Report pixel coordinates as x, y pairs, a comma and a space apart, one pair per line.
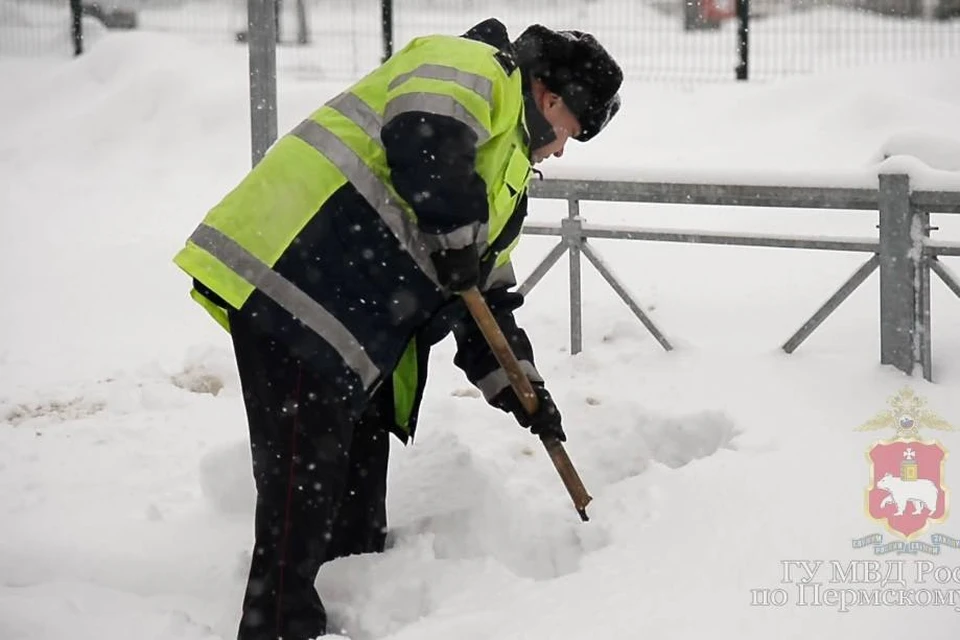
283, 239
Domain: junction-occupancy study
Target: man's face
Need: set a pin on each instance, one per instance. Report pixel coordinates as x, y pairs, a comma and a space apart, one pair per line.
565, 126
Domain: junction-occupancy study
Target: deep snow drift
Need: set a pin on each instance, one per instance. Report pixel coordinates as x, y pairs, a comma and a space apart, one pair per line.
125, 494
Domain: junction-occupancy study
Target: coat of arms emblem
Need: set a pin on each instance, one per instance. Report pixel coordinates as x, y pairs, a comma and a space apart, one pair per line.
907, 490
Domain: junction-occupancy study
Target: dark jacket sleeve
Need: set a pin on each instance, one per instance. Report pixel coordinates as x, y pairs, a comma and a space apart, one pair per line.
474, 355
432, 166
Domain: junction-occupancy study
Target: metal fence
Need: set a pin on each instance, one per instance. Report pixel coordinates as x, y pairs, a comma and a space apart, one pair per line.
674, 40
903, 250
698, 40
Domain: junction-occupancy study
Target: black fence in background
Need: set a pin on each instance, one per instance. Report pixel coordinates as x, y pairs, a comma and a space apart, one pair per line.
703, 40
661, 40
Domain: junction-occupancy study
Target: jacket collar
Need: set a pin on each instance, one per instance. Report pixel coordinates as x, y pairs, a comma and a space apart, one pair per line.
537, 131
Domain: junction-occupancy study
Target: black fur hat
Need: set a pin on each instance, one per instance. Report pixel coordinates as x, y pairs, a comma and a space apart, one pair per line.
576, 67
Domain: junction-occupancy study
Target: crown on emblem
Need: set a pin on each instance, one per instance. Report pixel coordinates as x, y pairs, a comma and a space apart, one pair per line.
906, 415
908, 468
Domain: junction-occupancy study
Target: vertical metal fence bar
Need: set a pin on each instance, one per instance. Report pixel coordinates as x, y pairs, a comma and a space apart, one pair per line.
923, 337
76, 15
743, 39
386, 26
926, 346
898, 321
278, 19
303, 28
572, 231
262, 45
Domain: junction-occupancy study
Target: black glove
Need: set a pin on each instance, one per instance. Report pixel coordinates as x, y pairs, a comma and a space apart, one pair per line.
545, 422
457, 269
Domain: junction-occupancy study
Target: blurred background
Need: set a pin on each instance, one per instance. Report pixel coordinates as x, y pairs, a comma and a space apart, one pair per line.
665, 40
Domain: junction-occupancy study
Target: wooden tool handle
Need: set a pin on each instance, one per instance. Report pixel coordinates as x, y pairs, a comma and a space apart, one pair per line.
528, 398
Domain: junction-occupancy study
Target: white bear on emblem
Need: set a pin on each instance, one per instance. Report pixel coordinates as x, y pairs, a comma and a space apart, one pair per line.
920, 492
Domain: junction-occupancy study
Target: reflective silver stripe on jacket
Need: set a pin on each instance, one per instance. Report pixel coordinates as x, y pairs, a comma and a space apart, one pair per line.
360, 113
288, 296
474, 82
496, 381
373, 190
436, 103
458, 238
502, 276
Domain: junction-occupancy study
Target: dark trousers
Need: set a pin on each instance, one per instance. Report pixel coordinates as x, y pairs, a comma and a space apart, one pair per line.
321, 485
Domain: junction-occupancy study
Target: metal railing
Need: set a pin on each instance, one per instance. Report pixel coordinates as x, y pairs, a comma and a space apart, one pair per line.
903, 250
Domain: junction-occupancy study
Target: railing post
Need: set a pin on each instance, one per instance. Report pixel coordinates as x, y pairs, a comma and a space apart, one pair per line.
303, 28
262, 45
922, 344
571, 228
900, 261
76, 28
743, 39
386, 27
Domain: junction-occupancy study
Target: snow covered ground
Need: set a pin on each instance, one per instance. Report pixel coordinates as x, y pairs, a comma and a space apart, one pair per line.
125, 492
